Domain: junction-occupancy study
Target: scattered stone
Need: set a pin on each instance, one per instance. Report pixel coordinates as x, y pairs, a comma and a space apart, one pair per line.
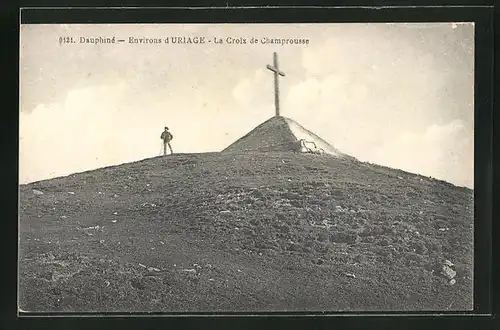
113, 221
63, 217
37, 192
400, 178
97, 227
225, 211
448, 263
101, 241
326, 223
153, 269
350, 275
71, 192
448, 270
143, 266
115, 213
210, 279
191, 270
452, 281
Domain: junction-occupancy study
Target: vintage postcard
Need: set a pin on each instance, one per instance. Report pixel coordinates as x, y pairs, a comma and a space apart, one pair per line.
246, 167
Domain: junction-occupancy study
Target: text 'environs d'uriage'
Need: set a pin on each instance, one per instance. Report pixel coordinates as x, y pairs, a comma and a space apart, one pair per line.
184, 40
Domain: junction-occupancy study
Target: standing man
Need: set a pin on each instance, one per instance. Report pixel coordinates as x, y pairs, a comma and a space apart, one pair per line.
166, 136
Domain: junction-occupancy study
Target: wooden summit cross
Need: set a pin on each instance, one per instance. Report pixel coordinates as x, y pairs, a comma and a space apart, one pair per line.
277, 72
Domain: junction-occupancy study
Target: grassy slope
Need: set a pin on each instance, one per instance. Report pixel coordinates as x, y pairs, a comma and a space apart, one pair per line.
277, 231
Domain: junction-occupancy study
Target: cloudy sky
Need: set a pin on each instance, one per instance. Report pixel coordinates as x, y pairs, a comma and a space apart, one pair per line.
399, 95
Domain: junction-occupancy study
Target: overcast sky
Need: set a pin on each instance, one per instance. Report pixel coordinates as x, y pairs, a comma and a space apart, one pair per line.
400, 95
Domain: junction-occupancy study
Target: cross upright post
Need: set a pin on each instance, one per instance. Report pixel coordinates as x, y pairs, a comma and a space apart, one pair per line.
274, 68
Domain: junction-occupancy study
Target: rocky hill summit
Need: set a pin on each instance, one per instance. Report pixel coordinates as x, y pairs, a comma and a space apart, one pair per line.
259, 230
283, 134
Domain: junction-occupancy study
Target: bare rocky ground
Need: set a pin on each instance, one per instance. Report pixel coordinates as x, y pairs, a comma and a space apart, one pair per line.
244, 232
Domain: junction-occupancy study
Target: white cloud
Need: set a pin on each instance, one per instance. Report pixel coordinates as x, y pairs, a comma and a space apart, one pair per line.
441, 151
249, 90
244, 92
58, 139
304, 95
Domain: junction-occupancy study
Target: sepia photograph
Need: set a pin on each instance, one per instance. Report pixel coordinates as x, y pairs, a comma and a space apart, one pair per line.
222, 168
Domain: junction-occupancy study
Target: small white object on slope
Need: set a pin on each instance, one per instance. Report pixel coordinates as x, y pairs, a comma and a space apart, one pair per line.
189, 270
153, 269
